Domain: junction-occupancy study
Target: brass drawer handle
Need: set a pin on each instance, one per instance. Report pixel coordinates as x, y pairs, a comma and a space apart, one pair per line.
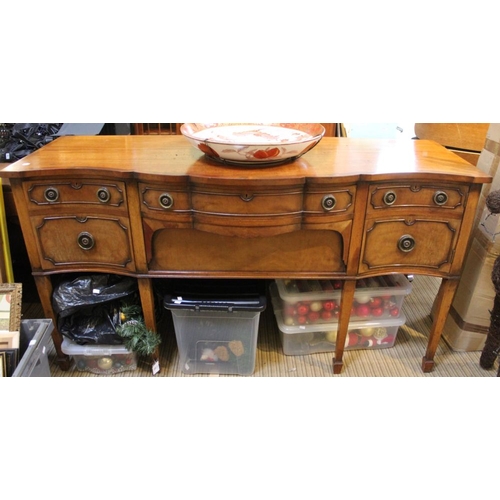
406, 243
51, 194
390, 198
85, 241
103, 195
440, 198
328, 202
166, 200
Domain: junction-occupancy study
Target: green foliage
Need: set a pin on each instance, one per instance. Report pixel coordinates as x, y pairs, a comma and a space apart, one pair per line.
136, 337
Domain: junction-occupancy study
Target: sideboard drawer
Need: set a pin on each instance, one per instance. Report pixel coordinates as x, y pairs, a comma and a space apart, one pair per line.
425, 244
322, 204
393, 196
75, 193
250, 200
164, 201
72, 241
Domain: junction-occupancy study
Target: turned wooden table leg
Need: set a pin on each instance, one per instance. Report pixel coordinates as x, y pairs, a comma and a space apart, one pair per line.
344, 317
45, 289
444, 300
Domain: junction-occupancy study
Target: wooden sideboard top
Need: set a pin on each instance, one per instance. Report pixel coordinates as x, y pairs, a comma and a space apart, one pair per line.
153, 157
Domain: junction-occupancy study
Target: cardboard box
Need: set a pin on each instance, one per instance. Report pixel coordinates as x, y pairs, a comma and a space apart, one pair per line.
468, 323
462, 336
493, 132
475, 294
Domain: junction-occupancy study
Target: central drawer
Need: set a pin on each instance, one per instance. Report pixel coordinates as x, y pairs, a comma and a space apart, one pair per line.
249, 200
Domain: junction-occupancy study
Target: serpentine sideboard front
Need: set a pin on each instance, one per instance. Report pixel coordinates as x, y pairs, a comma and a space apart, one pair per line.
155, 207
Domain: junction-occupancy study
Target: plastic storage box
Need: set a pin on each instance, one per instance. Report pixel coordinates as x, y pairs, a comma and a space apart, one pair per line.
216, 333
312, 338
34, 344
100, 359
310, 302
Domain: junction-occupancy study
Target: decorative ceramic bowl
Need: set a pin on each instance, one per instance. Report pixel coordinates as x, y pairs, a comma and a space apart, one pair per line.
253, 143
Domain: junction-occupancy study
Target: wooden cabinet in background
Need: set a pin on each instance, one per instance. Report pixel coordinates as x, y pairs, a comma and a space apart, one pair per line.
464, 139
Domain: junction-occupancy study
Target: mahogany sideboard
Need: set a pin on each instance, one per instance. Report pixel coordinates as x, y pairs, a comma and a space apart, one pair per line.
155, 207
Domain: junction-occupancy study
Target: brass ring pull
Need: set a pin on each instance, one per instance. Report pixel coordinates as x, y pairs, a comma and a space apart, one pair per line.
85, 241
51, 194
103, 195
166, 200
328, 202
440, 198
390, 198
406, 243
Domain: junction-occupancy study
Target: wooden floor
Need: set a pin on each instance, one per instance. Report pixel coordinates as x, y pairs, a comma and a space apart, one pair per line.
401, 360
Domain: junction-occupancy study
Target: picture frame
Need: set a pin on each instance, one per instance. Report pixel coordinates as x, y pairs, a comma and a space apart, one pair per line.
10, 360
3, 365
9, 340
10, 307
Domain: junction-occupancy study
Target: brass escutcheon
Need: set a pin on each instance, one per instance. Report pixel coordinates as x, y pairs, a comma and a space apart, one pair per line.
51, 194
389, 197
328, 202
85, 241
406, 243
103, 195
166, 200
440, 198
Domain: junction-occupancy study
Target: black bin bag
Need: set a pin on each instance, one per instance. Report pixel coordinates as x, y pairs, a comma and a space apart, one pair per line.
88, 307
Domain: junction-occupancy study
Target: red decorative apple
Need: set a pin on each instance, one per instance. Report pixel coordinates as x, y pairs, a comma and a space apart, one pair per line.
351, 340
394, 312
363, 310
326, 315
329, 305
302, 309
313, 316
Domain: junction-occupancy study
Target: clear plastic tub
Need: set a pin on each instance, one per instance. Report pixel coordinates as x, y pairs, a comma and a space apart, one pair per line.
310, 302
313, 338
100, 359
216, 332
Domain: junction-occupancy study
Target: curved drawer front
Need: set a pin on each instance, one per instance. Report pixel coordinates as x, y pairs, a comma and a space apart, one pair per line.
406, 196
79, 241
330, 201
247, 201
417, 243
163, 199
73, 193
